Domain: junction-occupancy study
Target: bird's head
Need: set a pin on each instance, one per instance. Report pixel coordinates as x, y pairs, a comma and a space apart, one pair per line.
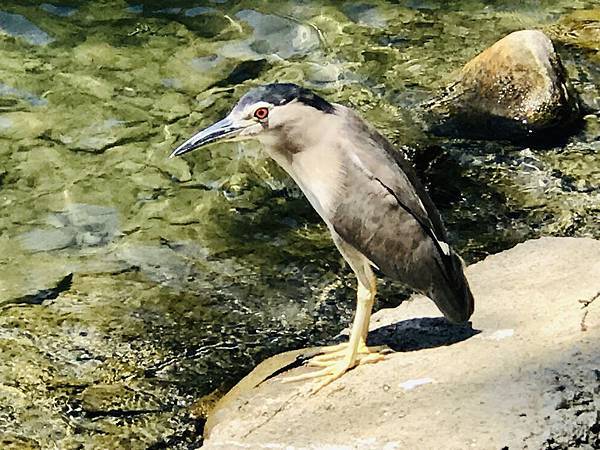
261, 112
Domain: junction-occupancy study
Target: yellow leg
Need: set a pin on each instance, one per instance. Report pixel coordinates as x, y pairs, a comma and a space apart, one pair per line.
340, 358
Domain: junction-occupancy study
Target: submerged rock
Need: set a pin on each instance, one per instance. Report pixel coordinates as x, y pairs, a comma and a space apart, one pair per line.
525, 375
18, 26
102, 135
515, 89
365, 14
20, 125
79, 225
31, 99
275, 35
58, 10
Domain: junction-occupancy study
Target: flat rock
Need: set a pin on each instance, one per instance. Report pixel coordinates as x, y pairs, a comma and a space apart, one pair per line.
515, 89
525, 374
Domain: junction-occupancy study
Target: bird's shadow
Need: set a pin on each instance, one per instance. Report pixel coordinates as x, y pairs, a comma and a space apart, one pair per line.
420, 333
404, 336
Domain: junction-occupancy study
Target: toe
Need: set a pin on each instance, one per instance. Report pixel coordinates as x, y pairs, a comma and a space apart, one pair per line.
306, 376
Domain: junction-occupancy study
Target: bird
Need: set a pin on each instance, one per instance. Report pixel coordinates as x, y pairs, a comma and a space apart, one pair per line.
379, 214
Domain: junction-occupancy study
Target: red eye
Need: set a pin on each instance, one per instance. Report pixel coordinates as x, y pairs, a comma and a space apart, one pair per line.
261, 113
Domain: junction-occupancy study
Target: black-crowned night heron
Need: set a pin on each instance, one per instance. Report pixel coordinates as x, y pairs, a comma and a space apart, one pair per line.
376, 209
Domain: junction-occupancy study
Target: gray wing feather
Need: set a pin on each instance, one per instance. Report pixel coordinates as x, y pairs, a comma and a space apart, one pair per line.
388, 216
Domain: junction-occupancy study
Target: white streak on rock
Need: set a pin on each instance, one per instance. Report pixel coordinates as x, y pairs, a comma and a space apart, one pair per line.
498, 335
411, 384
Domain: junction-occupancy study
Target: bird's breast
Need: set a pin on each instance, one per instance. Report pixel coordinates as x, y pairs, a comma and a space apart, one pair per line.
319, 173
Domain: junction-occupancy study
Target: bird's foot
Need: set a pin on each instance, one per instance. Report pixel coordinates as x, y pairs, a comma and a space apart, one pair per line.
339, 351
337, 361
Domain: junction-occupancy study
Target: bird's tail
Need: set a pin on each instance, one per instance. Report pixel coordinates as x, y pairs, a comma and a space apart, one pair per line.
452, 294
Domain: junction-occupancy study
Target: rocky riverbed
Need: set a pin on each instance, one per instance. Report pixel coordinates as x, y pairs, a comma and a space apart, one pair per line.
131, 286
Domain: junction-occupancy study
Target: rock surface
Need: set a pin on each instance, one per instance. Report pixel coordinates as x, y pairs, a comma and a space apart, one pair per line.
526, 375
515, 89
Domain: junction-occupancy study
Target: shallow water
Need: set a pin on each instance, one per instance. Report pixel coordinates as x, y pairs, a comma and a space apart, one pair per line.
132, 285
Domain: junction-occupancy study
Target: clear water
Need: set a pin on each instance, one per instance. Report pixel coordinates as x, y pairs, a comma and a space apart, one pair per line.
188, 272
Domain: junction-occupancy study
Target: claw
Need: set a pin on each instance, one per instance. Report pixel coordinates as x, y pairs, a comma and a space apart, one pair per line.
338, 363
338, 351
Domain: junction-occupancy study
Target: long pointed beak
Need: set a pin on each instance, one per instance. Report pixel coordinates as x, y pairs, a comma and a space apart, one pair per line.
217, 131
